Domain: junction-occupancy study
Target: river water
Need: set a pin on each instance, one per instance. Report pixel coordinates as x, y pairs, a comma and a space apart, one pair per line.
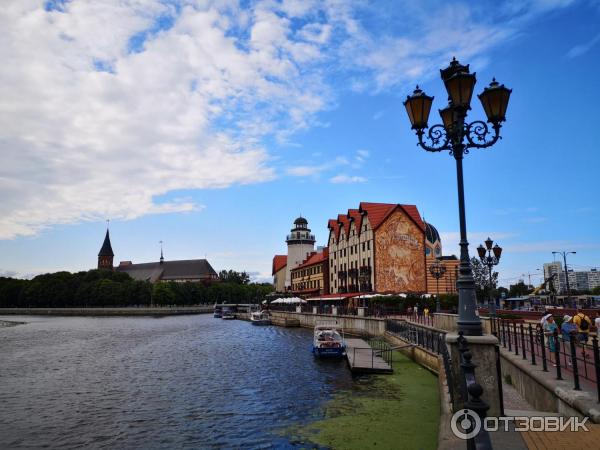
150, 383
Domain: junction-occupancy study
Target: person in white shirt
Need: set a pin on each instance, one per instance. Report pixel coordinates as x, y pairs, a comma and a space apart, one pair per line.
597, 323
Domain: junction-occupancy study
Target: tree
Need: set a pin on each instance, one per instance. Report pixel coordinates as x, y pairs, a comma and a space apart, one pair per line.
162, 294
481, 275
232, 276
596, 290
518, 290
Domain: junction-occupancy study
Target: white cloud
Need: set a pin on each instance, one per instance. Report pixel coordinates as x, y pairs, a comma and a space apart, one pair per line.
347, 179
107, 106
316, 169
582, 49
187, 111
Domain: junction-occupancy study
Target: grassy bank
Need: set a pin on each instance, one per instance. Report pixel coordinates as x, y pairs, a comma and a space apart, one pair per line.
387, 412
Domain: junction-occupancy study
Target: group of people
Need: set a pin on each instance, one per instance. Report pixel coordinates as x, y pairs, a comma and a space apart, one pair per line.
576, 327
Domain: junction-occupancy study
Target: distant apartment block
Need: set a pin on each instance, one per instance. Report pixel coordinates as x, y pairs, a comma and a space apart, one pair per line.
578, 280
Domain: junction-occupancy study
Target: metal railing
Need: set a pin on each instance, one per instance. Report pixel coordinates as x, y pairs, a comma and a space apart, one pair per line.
564, 354
379, 348
472, 392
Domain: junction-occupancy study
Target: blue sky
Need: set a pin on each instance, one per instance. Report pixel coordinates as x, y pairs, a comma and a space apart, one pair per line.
212, 125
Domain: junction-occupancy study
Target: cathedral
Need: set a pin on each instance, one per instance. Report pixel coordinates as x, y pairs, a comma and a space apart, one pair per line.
194, 270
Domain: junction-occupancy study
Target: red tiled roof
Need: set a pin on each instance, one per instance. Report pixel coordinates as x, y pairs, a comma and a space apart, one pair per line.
279, 262
376, 212
315, 258
413, 212
356, 217
343, 219
333, 226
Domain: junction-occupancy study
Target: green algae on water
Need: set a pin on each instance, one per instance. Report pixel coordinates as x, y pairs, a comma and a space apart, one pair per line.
398, 411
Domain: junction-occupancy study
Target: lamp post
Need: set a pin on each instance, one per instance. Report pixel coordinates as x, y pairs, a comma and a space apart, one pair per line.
490, 257
564, 255
457, 136
437, 271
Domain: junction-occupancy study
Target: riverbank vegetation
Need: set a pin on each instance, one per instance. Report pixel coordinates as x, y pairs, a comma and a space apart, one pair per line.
388, 412
105, 288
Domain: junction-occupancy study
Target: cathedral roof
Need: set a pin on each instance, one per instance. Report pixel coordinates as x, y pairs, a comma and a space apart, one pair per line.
106, 249
188, 269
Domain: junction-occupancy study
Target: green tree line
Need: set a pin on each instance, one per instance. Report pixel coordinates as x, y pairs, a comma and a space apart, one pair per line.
104, 288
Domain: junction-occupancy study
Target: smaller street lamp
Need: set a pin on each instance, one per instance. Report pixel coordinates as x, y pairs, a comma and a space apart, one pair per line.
437, 270
490, 256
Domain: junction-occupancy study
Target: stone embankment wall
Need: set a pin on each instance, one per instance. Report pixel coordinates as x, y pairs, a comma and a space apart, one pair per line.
350, 324
143, 311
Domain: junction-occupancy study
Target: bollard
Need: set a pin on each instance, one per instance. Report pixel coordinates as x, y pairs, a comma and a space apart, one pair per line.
544, 363
557, 356
574, 362
531, 345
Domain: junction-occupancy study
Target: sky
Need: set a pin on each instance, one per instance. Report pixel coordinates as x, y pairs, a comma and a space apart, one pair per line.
212, 125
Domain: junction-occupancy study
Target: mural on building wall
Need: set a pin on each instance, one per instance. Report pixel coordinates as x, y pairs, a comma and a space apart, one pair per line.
400, 254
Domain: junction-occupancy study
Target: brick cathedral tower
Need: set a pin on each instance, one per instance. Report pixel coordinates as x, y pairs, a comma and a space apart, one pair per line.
105, 257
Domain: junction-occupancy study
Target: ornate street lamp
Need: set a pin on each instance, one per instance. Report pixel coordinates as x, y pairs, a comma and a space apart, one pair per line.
490, 257
458, 136
437, 271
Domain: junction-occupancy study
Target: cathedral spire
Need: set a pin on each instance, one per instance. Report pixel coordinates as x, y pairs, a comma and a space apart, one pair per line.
162, 259
106, 255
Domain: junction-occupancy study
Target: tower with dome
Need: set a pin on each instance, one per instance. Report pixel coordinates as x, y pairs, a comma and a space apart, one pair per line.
300, 244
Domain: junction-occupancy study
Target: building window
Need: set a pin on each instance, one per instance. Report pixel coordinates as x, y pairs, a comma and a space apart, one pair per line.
368, 245
363, 245
427, 251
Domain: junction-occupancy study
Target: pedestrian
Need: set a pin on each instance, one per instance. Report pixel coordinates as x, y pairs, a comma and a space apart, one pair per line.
583, 324
597, 323
544, 319
569, 331
549, 328
426, 311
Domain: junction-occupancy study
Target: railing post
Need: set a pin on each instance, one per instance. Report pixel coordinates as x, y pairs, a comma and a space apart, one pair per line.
523, 341
507, 325
596, 364
557, 355
503, 328
543, 344
574, 362
531, 345
516, 338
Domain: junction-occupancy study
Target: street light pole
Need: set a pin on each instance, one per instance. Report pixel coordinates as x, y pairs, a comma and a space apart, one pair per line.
457, 136
437, 270
490, 257
564, 255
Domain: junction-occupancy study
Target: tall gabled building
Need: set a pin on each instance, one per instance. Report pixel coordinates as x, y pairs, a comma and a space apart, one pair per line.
379, 247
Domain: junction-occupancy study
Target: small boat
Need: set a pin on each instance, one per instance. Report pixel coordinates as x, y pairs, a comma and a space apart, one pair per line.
327, 341
218, 312
228, 314
260, 318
